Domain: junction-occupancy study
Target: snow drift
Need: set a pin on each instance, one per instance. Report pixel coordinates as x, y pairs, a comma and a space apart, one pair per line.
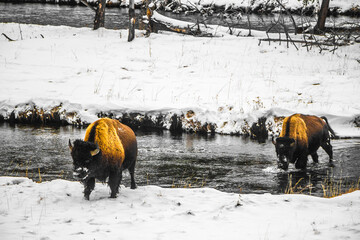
221, 84
56, 210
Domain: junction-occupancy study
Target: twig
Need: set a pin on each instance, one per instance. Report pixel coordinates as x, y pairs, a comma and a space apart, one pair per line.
20, 32
292, 19
300, 41
7, 37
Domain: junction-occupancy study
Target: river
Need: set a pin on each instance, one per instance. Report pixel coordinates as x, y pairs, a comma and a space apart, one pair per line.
226, 163
117, 18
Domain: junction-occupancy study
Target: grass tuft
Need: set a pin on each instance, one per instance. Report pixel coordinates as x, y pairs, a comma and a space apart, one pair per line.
330, 187
333, 189
297, 188
189, 182
40, 180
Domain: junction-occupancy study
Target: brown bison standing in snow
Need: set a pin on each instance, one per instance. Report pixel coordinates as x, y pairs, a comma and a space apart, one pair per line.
302, 135
108, 148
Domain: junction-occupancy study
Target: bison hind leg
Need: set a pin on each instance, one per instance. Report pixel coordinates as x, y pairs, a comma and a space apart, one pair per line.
328, 149
115, 178
132, 175
315, 157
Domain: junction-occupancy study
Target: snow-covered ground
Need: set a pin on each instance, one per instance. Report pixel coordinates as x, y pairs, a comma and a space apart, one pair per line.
57, 210
227, 81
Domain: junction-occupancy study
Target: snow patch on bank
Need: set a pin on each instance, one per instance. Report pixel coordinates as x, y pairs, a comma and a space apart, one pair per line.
57, 210
226, 83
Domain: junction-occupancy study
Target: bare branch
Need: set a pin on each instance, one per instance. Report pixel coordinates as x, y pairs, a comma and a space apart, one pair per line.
11, 40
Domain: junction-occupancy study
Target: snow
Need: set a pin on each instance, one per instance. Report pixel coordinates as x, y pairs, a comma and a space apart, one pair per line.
57, 210
227, 81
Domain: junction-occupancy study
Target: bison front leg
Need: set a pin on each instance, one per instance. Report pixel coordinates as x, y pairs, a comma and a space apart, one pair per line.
301, 162
114, 182
89, 185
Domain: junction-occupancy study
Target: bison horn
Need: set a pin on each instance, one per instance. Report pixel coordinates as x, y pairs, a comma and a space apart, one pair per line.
94, 152
273, 141
70, 146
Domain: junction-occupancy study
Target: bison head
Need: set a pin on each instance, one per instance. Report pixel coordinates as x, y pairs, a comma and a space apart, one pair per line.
84, 155
285, 148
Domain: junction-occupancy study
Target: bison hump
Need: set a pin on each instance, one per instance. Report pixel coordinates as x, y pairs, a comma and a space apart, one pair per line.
104, 132
295, 127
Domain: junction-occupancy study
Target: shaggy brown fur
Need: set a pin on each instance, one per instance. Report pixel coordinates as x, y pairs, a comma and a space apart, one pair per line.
108, 148
113, 138
295, 127
302, 135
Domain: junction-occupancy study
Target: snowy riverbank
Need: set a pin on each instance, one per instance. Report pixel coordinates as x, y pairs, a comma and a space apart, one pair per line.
224, 84
56, 210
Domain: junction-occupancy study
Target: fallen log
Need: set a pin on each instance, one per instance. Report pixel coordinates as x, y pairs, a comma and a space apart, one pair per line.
161, 22
301, 42
306, 43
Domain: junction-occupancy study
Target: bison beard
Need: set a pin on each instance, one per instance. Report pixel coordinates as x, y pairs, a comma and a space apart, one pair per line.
302, 135
109, 147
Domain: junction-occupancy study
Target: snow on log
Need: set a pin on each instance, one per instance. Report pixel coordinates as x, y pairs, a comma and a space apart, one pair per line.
161, 22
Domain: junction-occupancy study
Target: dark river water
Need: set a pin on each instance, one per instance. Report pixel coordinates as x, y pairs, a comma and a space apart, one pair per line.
117, 18
227, 163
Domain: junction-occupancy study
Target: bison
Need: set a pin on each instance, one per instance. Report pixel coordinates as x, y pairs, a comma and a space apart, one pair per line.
108, 148
302, 135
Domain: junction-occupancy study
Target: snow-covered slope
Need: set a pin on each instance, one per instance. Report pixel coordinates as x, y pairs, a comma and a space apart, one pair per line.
227, 81
56, 210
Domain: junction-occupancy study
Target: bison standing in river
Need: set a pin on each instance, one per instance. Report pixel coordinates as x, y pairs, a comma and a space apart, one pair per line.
302, 135
108, 148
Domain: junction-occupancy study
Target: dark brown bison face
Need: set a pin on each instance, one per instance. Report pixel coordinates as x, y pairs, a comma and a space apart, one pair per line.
285, 148
84, 156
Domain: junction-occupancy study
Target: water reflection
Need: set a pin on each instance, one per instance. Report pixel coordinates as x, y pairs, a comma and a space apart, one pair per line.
57, 15
117, 18
227, 163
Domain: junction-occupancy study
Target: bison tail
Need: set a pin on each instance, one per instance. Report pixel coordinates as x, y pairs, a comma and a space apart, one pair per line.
333, 135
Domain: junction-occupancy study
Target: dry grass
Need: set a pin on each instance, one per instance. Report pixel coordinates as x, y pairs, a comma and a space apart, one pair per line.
333, 189
40, 180
297, 188
329, 187
189, 182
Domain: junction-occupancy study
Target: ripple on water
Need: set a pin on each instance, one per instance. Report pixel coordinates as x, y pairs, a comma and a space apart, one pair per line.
227, 163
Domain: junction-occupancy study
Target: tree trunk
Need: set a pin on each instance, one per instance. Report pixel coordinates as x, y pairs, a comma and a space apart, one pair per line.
100, 15
320, 26
131, 21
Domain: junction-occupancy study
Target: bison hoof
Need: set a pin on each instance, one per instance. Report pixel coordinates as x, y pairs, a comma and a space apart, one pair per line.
283, 166
87, 197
